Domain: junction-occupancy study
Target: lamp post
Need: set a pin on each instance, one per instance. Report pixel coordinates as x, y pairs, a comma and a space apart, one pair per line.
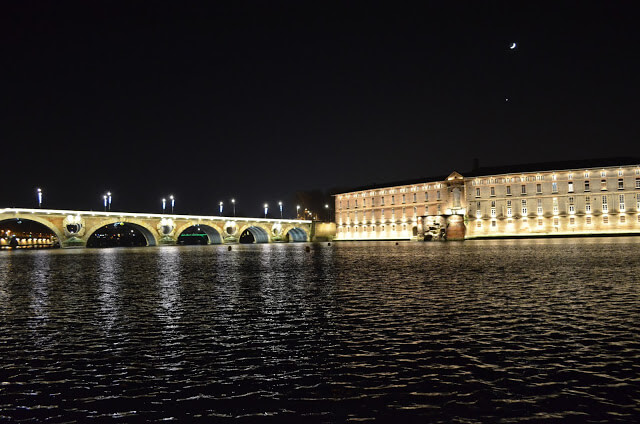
233, 202
297, 211
109, 200
266, 209
220, 208
164, 204
105, 202
173, 202
280, 204
39, 197
326, 206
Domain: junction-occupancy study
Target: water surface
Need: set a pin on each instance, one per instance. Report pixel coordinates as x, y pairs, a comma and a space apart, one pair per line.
510, 331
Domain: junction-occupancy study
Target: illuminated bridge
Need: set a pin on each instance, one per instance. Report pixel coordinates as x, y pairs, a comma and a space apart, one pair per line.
74, 228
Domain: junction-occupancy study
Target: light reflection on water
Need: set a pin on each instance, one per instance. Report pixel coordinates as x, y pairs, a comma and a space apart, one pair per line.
508, 330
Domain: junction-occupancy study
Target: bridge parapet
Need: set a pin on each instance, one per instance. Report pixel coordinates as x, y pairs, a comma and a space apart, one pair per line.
74, 228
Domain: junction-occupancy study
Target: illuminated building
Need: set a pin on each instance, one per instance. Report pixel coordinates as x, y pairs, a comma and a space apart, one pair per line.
552, 199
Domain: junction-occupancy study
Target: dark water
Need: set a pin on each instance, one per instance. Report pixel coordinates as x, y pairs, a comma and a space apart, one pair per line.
511, 331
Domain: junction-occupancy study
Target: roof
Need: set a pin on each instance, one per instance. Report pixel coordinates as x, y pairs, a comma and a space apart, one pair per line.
512, 169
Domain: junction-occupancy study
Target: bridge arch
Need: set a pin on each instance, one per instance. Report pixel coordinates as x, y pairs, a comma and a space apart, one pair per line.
146, 230
296, 234
48, 224
212, 231
259, 233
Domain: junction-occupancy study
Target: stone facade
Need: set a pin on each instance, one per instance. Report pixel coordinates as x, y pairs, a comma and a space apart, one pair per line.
571, 201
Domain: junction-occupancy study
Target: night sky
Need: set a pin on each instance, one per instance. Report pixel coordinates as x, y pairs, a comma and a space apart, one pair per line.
258, 100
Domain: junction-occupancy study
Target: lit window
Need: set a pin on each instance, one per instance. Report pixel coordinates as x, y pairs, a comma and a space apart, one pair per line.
621, 202
539, 206
570, 187
603, 173
619, 172
524, 207
605, 205
555, 205
586, 174
554, 187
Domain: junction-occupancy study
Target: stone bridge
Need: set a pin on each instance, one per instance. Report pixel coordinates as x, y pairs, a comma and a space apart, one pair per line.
73, 228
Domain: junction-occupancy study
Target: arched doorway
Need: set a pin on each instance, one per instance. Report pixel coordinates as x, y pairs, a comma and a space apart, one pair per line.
199, 235
121, 234
254, 234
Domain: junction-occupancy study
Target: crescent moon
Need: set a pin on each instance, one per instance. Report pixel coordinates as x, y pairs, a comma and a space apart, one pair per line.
513, 46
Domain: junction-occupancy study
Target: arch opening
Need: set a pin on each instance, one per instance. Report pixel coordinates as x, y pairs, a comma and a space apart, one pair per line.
121, 234
199, 235
254, 235
23, 233
296, 235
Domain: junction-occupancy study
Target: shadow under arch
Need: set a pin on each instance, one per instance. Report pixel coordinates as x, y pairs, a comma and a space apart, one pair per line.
212, 234
254, 234
146, 232
296, 235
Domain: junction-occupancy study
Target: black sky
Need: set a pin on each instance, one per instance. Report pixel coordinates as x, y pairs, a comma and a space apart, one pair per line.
256, 100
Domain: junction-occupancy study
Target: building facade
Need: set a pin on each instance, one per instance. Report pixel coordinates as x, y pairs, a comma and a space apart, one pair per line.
564, 198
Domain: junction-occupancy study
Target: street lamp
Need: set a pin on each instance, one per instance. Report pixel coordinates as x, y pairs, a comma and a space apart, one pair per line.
326, 206
39, 198
109, 200
280, 204
297, 211
173, 202
164, 204
105, 202
233, 202
266, 209
220, 208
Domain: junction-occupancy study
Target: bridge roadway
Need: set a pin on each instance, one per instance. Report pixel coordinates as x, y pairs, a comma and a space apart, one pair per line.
74, 228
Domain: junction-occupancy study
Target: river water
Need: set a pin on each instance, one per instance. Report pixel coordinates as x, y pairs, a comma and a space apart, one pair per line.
509, 331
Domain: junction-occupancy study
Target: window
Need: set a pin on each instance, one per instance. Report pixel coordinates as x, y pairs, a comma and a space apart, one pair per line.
493, 208
508, 190
603, 184
586, 174
572, 208
415, 197
605, 205
554, 187
619, 172
524, 207
364, 203
588, 220
494, 224
620, 184
570, 187
638, 202
555, 205
426, 196
621, 202
382, 201
603, 173
356, 203
403, 198
479, 224
540, 222
623, 219
538, 188
572, 221
393, 199
570, 176
539, 206
524, 189
438, 195
493, 191
586, 186
509, 210
556, 222
477, 191
637, 182
605, 219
